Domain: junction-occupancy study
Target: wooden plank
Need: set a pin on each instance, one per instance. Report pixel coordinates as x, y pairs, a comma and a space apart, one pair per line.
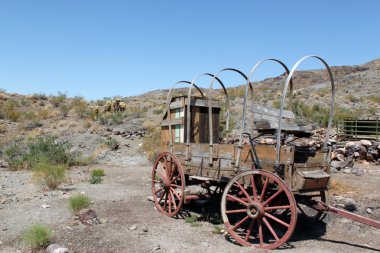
258, 109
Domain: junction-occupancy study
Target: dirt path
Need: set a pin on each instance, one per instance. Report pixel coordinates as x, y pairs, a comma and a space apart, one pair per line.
121, 201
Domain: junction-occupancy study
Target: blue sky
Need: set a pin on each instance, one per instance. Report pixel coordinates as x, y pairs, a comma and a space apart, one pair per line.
106, 48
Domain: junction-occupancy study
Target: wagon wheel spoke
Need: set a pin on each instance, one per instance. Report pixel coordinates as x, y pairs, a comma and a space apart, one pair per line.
166, 200
176, 186
176, 194
261, 233
244, 191
175, 178
236, 211
173, 199
272, 197
249, 230
276, 219
270, 208
254, 189
240, 223
264, 189
161, 189
162, 196
271, 229
160, 175
237, 199
169, 197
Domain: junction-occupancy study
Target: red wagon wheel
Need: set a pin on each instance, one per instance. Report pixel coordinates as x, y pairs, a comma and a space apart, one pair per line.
253, 204
168, 184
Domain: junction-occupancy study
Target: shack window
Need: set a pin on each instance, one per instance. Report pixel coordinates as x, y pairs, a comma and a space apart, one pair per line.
178, 129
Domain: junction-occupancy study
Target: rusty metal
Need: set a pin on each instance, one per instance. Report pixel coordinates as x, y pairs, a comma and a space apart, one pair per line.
352, 216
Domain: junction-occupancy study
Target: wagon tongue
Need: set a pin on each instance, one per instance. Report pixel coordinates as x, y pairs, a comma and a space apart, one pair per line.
324, 207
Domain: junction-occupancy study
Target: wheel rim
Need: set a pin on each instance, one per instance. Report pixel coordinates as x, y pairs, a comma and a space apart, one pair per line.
253, 204
168, 184
310, 215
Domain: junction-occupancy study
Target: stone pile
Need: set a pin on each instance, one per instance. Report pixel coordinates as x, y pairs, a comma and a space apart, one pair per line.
363, 151
131, 134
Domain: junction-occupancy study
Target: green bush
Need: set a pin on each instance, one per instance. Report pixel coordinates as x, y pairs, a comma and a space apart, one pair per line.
14, 155
98, 173
57, 100
95, 180
37, 235
50, 175
47, 148
96, 176
79, 202
112, 143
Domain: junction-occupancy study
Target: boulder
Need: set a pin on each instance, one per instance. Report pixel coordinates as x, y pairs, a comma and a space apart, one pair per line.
349, 145
56, 248
366, 143
88, 217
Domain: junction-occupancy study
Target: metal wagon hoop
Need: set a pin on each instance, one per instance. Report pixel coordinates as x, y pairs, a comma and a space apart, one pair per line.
210, 107
288, 80
249, 84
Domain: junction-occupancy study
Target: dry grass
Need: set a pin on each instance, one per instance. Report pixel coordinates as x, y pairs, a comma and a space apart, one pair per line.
340, 188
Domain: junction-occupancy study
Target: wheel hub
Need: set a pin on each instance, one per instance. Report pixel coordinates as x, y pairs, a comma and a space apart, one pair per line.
166, 184
255, 210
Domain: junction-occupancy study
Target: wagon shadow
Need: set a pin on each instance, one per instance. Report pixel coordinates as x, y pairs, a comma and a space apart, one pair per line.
209, 211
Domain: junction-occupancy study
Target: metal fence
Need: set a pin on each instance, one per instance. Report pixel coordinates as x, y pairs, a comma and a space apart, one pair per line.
356, 128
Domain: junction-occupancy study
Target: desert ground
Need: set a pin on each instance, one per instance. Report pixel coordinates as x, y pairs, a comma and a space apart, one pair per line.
131, 224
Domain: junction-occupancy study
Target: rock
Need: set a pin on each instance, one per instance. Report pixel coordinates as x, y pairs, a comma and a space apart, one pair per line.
358, 171
157, 247
366, 143
350, 145
340, 157
88, 217
150, 198
45, 206
340, 151
374, 152
362, 152
335, 164
369, 210
56, 248
356, 154
333, 170
346, 170
350, 205
369, 158
143, 230
133, 227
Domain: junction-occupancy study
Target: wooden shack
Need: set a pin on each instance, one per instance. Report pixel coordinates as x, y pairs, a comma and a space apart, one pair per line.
199, 121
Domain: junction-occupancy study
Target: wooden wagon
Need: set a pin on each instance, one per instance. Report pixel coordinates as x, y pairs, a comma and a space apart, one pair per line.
263, 187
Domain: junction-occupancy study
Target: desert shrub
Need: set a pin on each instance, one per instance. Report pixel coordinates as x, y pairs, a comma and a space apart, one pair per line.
30, 120
80, 160
57, 100
136, 111
14, 155
374, 98
95, 180
152, 144
47, 148
117, 118
64, 110
3, 129
193, 220
37, 235
79, 202
96, 176
50, 175
10, 111
44, 113
39, 96
80, 106
352, 98
158, 111
115, 105
98, 173
112, 143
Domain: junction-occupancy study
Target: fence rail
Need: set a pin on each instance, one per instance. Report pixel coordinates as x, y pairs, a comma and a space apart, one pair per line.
357, 128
